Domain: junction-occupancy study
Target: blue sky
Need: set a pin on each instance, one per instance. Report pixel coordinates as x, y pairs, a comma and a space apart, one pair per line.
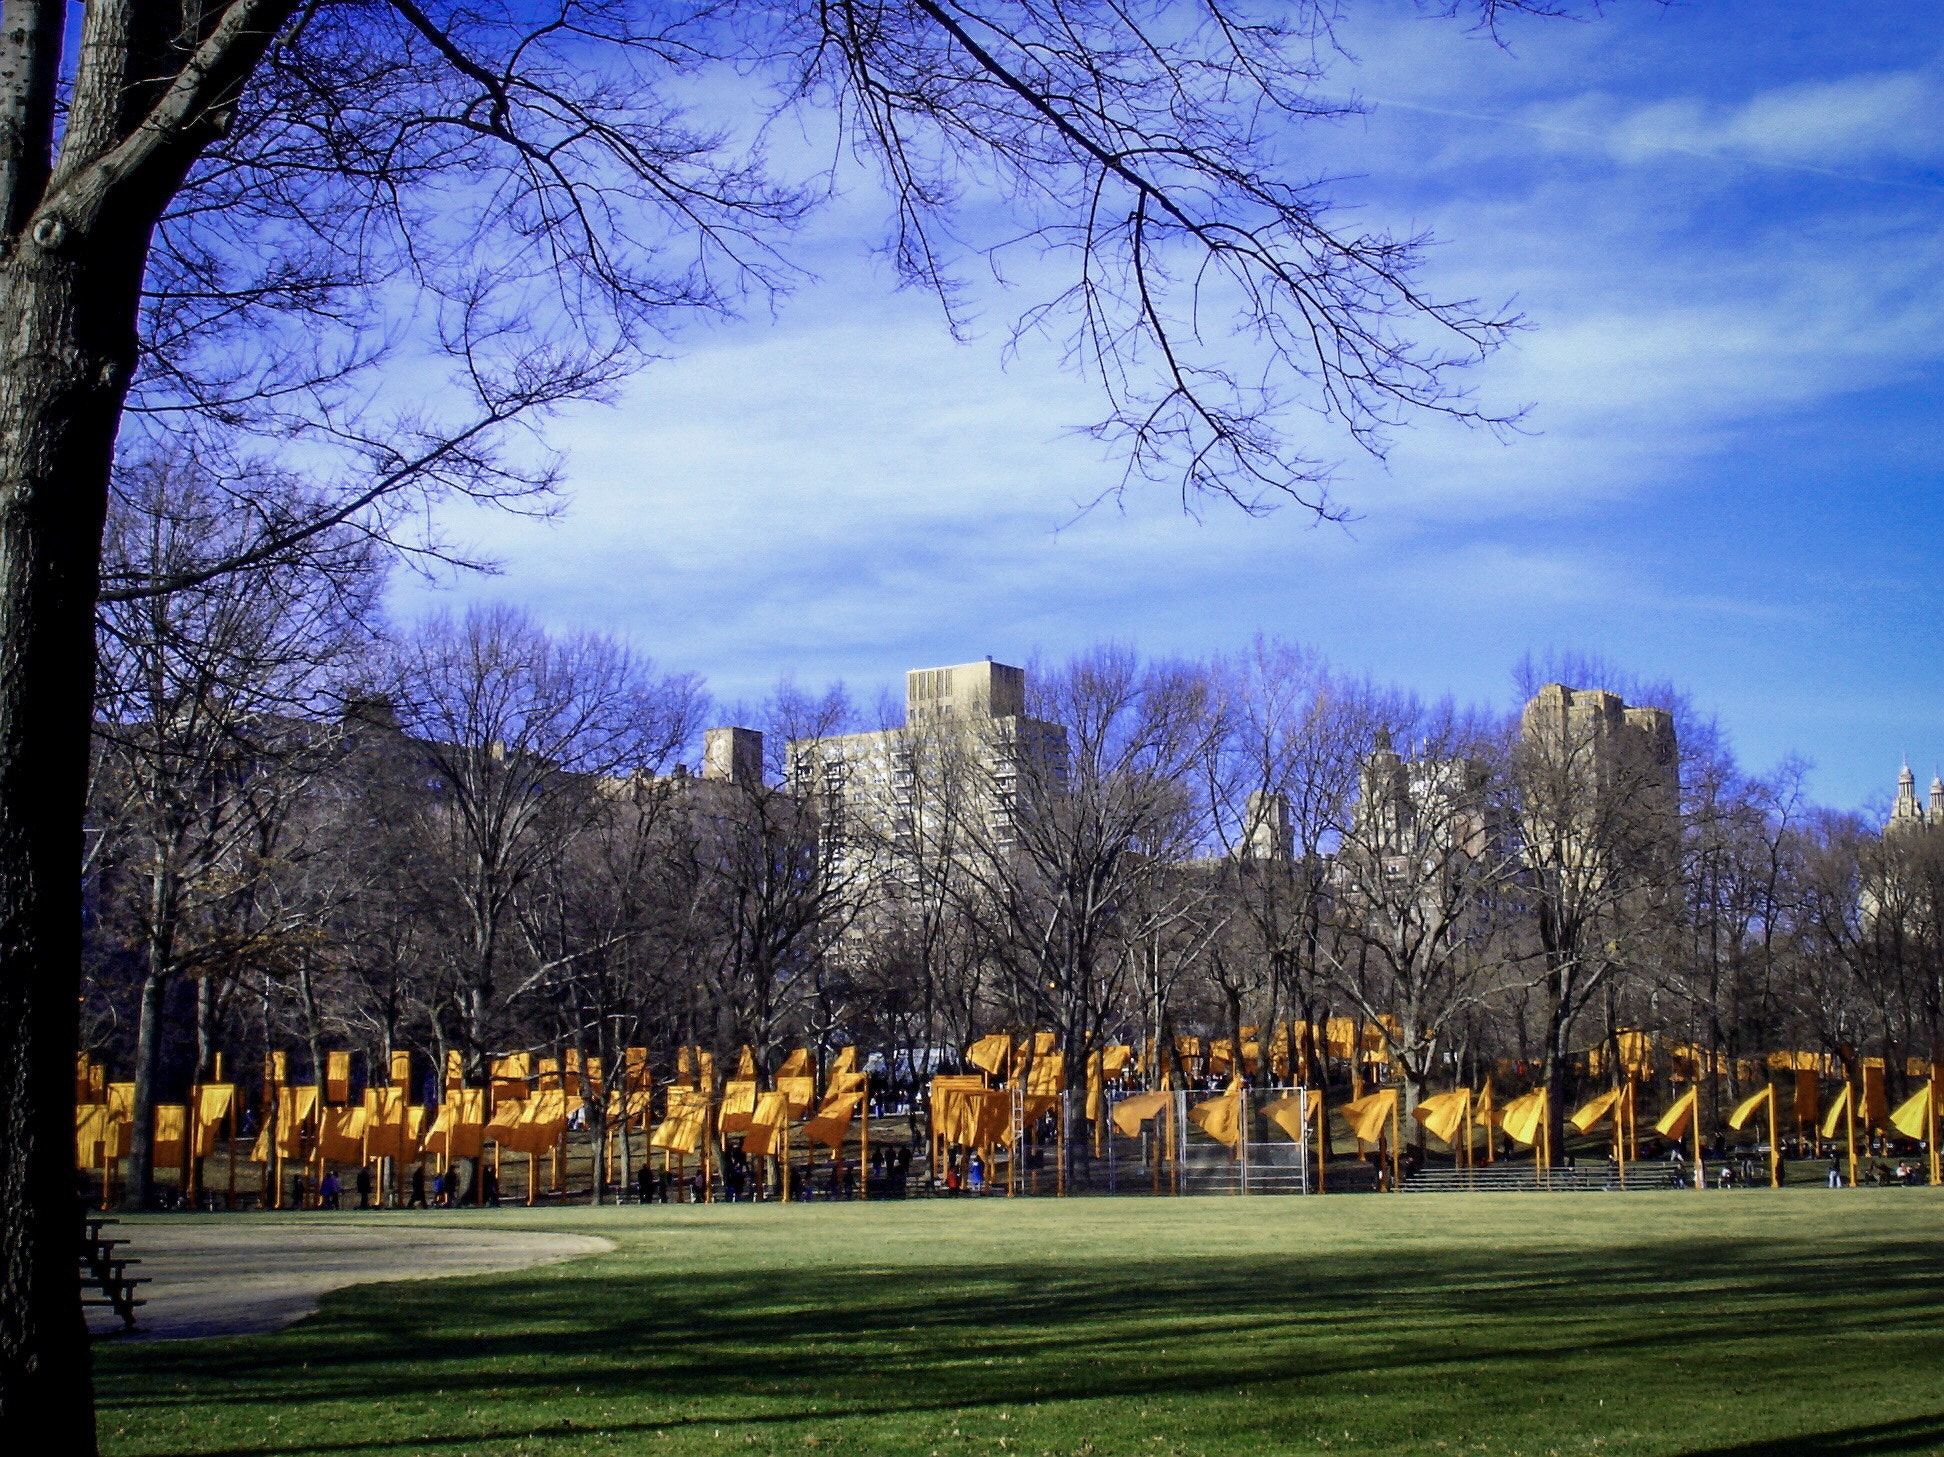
1724, 222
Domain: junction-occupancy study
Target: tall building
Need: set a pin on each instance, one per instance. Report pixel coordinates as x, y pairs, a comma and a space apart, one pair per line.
1268, 833
1426, 807
1905, 811
1600, 785
985, 690
967, 759
1606, 745
733, 755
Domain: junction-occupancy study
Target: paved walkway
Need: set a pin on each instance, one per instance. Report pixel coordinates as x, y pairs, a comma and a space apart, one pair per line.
222, 1277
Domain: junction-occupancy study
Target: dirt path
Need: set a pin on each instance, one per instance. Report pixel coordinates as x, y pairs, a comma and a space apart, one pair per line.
220, 1277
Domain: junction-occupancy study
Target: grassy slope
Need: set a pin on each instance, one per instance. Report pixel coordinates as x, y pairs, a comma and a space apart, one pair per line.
1796, 1322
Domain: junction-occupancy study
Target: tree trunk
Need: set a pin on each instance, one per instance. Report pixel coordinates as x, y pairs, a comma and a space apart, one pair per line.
1555, 1077
206, 1029
67, 348
138, 1189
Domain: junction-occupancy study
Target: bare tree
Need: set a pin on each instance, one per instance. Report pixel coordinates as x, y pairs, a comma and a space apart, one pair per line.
213, 220
210, 732
1076, 840
1283, 791
1422, 874
1599, 827
520, 730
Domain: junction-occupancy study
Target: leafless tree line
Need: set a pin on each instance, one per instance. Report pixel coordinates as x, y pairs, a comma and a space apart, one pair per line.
350, 255
471, 836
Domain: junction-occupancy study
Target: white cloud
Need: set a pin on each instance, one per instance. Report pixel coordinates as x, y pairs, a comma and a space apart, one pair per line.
848, 493
1845, 121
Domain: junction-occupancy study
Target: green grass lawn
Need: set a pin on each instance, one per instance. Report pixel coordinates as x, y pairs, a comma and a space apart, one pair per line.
1804, 1322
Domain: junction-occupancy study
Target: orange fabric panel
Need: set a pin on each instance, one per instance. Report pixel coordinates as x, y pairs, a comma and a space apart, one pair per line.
769, 1125
337, 1077
533, 1126
738, 1105
459, 1129
95, 1135
1596, 1109
684, 1123
1131, 1113
1340, 1037
1443, 1116
1288, 1114
798, 1064
1637, 1053
1912, 1117
1524, 1117
636, 1104
974, 1117
508, 1076
1807, 1099
340, 1135
1876, 1106
213, 1102
1046, 1075
295, 1109
1674, 1122
801, 1091
1220, 1117
992, 1054
1369, 1116
833, 1120
170, 1120
389, 1133
1746, 1108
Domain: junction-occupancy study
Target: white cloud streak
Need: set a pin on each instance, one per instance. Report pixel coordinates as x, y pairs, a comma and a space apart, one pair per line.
846, 493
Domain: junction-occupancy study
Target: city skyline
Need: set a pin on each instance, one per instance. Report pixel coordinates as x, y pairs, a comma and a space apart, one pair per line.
1723, 224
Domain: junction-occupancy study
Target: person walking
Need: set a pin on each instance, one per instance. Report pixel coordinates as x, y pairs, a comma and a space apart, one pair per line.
364, 1186
328, 1191
489, 1186
417, 1201
1835, 1172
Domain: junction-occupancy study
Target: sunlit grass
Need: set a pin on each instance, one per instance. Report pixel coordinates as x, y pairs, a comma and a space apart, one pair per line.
1752, 1322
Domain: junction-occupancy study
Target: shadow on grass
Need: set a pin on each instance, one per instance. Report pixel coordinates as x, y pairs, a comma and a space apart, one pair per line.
1917, 1434
768, 1349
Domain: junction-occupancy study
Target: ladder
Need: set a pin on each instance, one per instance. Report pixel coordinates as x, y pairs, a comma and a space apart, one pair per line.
1017, 1152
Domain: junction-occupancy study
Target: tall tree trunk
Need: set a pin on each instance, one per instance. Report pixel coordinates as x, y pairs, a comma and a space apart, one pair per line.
1556, 1075
206, 1029
67, 348
138, 1189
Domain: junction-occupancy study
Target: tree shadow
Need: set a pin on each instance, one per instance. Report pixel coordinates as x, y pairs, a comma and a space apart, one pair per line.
774, 1347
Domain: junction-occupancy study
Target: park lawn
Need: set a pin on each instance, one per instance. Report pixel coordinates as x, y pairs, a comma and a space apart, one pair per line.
1754, 1322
